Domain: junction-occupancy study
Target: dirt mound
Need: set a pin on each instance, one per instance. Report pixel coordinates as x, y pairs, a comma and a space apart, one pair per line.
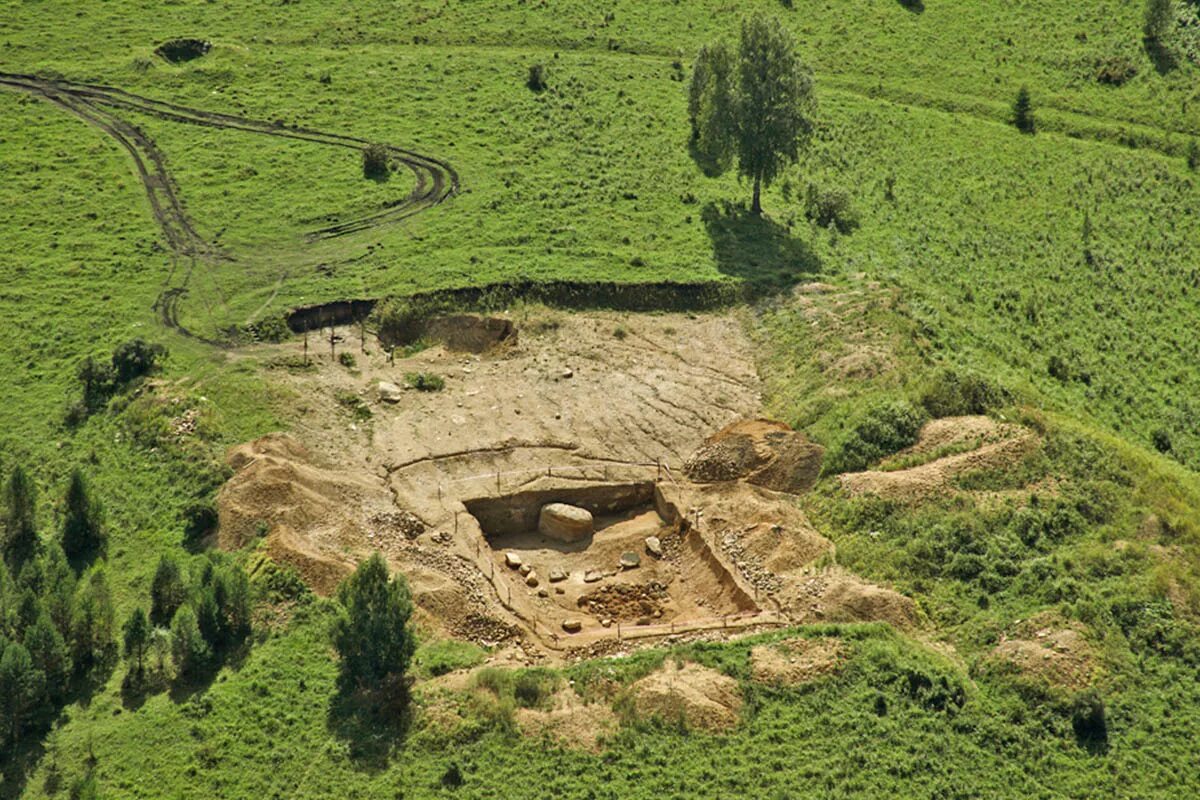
759, 451
796, 661
834, 595
1058, 657
321, 571
178, 51
699, 697
947, 432
469, 333
571, 723
312, 518
991, 446
276, 485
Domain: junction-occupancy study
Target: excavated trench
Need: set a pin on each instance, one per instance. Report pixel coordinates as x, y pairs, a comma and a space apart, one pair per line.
638, 566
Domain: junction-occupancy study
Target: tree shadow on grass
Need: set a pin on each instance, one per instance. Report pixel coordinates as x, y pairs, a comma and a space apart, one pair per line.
1162, 57
757, 250
372, 724
915, 6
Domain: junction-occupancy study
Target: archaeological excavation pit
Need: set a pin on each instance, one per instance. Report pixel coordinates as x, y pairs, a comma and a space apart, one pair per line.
605, 554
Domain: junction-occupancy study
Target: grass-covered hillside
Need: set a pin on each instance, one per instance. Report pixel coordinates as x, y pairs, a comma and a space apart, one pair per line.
1057, 272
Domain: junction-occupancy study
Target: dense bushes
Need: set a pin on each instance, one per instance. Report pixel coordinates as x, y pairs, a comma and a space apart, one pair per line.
952, 393
830, 207
130, 361
884, 429
375, 161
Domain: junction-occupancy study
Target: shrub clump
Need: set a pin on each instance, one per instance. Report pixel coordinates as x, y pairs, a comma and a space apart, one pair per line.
537, 78
881, 431
376, 164
951, 393
827, 207
1115, 69
425, 381
130, 361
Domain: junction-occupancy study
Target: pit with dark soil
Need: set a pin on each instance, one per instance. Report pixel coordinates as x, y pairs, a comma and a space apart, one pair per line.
177, 51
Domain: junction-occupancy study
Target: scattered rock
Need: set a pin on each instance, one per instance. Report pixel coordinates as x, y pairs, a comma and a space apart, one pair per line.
592, 575
654, 546
390, 392
531, 580
512, 560
557, 575
630, 560
525, 569
565, 523
568, 372
543, 593
572, 625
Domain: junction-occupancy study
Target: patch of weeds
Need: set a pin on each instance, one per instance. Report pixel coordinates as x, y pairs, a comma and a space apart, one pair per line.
347, 360
620, 332
355, 405
884, 429
446, 655
425, 381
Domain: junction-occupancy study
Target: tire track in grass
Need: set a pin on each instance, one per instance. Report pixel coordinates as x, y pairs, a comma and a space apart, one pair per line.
97, 104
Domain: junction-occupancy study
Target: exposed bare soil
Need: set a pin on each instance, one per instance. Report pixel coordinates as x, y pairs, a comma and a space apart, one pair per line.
796, 661
596, 410
1049, 652
698, 697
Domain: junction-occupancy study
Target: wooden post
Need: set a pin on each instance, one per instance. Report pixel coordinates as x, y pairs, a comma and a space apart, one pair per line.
497, 481
332, 341
618, 630
306, 346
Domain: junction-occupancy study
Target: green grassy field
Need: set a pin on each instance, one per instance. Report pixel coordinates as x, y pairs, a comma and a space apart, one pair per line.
980, 237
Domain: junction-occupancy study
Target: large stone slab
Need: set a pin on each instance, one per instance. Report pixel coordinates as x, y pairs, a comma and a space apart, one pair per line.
565, 523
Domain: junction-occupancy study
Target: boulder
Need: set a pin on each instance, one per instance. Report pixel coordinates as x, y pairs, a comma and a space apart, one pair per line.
572, 625
512, 560
390, 392
630, 560
557, 575
565, 523
531, 580
525, 569
654, 546
592, 575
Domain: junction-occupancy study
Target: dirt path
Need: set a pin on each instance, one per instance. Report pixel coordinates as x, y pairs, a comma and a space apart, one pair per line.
435, 180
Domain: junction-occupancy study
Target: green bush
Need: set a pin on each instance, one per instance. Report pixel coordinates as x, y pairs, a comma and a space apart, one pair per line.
951, 393
375, 161
827, 207
1115, 69
537, 78
425, 381
881, 431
